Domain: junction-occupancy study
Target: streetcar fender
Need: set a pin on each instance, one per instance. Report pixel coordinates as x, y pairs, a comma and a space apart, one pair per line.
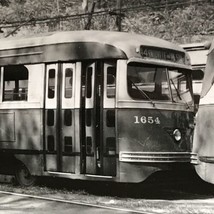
32, 162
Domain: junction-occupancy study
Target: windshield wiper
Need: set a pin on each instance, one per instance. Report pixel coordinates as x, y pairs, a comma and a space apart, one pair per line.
142, 92
178, 94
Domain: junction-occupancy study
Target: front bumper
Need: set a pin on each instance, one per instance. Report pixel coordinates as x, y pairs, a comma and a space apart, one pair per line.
158, 157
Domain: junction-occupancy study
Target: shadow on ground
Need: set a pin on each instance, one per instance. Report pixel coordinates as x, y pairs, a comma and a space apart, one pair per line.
161, 185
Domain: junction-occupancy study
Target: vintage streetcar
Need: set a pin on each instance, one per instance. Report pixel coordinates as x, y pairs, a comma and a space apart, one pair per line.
203, 145
94, 105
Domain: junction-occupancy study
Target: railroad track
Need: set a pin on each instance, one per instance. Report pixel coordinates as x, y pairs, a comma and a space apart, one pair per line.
72, 202
190, 203
192, 196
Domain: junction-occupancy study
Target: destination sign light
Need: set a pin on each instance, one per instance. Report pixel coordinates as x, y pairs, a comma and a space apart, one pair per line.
162, 54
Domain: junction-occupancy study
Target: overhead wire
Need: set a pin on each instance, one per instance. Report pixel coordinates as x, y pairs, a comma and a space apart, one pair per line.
110, 11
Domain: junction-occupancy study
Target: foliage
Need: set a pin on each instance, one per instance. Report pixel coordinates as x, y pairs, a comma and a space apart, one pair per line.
175, 25
182, 24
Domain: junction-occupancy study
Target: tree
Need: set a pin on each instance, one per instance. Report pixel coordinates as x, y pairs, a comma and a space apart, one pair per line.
5, 3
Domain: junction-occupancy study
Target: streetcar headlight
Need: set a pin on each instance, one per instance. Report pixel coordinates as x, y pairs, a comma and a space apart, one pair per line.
177, 134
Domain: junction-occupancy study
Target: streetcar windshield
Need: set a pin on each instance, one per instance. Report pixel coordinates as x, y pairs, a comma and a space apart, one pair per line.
158, 83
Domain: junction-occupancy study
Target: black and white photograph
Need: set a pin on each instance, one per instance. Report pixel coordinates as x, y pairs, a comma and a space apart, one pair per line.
107, 106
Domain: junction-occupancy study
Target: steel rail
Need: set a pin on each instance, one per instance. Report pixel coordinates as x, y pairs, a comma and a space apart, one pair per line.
77, 203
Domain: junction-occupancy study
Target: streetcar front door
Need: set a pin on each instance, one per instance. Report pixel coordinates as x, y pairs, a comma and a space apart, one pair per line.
61, 153
98, 142
79, 130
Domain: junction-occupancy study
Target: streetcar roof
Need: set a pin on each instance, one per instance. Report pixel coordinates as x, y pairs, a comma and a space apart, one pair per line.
121, 40
99, 44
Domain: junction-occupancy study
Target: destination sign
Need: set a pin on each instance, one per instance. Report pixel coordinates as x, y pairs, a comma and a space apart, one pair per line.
162, 54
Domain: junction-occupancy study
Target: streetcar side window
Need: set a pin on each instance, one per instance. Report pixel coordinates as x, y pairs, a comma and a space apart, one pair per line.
15, 83
89, 82
68, 82
197, 74
51, 83
111, 82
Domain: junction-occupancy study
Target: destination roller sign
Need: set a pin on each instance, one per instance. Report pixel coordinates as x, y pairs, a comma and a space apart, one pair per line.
162, 54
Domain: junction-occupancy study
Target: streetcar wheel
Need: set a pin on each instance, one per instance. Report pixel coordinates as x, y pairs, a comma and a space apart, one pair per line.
23, 176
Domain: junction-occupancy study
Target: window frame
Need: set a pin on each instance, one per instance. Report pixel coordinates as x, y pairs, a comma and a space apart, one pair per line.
140, 96
18, 94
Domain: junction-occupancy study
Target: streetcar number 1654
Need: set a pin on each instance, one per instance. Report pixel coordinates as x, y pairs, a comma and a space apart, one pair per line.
146, 119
